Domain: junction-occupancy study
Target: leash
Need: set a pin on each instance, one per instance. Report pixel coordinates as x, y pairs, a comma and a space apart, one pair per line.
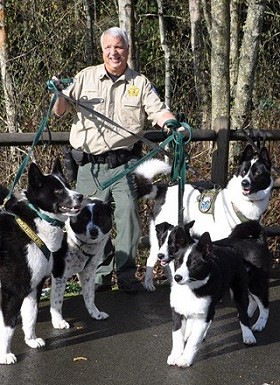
180, 163
42, 126
53, 89
23, 225
175, 140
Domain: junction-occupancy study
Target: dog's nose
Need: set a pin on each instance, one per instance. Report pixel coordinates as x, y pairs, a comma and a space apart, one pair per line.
79, 197
178, 277
93, 232
245, 183
160, 256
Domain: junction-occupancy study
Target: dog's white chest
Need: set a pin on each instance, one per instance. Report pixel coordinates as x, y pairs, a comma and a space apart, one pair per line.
185, 302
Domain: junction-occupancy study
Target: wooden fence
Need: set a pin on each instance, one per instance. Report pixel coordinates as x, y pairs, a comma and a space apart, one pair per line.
221, 134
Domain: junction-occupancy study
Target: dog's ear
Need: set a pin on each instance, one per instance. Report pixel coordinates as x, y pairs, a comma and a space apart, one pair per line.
188, 226
264, 156
181, 238
162, 227
57, 168
35, 176
247, 155
205, 245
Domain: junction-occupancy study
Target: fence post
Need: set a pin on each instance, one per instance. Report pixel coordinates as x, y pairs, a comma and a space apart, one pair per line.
219, 171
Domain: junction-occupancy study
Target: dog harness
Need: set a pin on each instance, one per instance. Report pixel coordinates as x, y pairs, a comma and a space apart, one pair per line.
206, 204
206, 200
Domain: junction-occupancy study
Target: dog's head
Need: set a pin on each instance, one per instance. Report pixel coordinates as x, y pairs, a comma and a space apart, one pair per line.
254, 173
92, 224
51, 193
193, 267
172, 240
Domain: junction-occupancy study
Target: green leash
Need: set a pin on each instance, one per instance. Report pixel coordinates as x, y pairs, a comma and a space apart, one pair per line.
175, 141
38, 135
180, 162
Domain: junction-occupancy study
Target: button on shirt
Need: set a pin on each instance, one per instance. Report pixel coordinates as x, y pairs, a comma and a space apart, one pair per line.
127, 101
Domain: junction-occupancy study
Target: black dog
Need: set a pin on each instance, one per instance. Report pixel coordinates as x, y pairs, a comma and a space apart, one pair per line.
30, 230
202, 273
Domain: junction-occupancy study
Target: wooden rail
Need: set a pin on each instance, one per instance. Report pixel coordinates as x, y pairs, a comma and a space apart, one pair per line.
221, 134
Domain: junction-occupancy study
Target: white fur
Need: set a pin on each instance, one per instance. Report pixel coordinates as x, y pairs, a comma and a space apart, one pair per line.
76, 262
219, 225
39, 267
186, 340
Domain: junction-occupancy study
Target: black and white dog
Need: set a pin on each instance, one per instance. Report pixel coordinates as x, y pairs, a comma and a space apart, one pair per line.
202, 273
218, 211
30, 231
83, 246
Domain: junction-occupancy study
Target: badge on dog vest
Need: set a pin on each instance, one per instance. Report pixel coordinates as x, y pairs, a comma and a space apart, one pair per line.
206, 201
133, 91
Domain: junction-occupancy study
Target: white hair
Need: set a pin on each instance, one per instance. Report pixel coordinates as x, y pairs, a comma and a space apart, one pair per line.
115, 32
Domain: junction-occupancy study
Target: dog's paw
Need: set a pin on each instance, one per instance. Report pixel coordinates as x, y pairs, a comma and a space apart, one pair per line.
182, 362
149, 286
7, 359
259, 325
249, 339
35, 343
173, 359
62, 324
261, 322
100, 316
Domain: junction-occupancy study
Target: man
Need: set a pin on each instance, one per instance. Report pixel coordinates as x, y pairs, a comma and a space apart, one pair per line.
127, 98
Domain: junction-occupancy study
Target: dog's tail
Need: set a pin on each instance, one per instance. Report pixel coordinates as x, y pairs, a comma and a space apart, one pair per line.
144, 175
250, 229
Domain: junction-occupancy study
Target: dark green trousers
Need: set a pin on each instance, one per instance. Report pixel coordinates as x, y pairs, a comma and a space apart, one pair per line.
126, 216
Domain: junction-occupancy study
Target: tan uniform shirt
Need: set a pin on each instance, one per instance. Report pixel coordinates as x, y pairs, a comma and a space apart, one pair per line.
128, 101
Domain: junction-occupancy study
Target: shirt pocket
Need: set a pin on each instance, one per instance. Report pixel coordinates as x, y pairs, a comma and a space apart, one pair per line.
92, 99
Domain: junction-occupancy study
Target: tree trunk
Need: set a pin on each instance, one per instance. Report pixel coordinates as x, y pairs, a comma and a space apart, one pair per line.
166, 50
89, 11
199, 63
220, 59
247, 64
127, 22
234, 47
6, 78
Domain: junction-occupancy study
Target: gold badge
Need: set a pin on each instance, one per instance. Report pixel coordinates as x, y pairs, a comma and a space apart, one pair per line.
133, 91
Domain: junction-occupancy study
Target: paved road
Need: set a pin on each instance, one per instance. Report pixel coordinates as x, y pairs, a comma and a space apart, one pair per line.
131, 347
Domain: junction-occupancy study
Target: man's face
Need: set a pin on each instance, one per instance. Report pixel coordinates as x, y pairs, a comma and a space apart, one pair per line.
115, 54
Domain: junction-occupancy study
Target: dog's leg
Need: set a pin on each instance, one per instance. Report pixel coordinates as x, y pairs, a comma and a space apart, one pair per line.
260, 324
6, 335
168, 273
29, 310
198, 330
152, 259
252, 306
241, 297
178, 334
87, 280
57, 294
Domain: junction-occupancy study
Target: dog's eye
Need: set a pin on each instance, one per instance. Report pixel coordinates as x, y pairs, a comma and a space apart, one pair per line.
59, 191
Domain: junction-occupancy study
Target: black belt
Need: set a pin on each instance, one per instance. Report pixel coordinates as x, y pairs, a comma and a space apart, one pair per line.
115, 158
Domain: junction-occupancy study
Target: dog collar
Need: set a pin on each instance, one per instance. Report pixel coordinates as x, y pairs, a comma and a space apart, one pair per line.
52, 221
34, 237
239, 214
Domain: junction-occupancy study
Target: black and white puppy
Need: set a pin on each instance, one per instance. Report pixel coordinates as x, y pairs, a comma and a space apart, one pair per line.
30, 231
218, 211
202, 273
84, 243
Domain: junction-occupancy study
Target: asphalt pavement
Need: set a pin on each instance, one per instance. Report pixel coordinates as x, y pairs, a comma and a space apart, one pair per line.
131, 347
